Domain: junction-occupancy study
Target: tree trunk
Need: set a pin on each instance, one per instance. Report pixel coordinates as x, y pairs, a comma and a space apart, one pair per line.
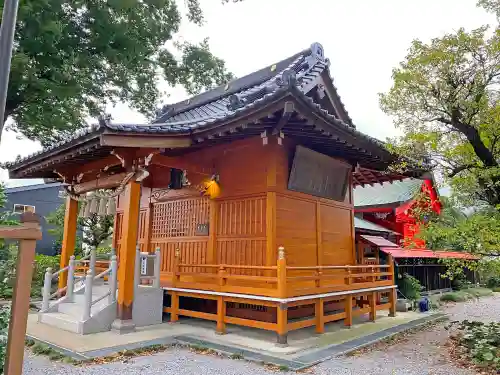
482, 152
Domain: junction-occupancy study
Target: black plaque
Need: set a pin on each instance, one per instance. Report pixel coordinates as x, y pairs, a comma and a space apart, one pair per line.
318, 174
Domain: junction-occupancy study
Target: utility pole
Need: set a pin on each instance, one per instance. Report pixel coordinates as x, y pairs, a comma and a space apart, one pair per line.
7, 29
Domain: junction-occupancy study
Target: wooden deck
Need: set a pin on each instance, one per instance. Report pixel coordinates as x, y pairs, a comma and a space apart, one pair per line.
280, 298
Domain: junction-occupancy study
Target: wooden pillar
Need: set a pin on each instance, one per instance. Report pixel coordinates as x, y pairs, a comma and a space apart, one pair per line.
282, 319
69, 238
212, 233
126, 270
348, 311
319, 239
372, 301
392, 293
148, 230
21, 296
270, 228
221, 315
319, 311
281, 273
271, 201
174, 307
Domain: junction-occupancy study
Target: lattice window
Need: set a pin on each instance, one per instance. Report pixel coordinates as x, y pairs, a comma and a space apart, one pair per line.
179, 218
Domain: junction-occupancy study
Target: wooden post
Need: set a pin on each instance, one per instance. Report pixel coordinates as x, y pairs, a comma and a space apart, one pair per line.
319, 311
348, 311
392, 293
21, 296
270, 229
222, 277
212, 233
282, 319
148, 228
174, 307
69, 238
373, 305
221, 315
281, 273
175, 267
126, 268
319, 242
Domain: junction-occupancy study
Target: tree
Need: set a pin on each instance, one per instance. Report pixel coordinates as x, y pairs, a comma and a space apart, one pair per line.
71, 58
445, 98
92, 231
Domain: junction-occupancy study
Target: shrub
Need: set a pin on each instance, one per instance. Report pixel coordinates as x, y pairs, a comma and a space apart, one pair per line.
4, 331
456, 297
410, 287
479, 292
481, 342
103, 252
8, 258
493, 282
42, 262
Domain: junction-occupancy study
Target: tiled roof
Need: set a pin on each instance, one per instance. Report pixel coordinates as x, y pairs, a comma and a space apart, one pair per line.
293, 76
230, 100
368, 225
386, 193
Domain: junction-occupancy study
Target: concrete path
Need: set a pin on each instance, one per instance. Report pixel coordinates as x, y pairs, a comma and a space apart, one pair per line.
420, 354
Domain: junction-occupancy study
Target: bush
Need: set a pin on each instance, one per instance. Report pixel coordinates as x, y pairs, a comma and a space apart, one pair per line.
456, 297
466, 294
493, 282
478, 292
103, 252
481, 342
4, 331
42, 262
8, 258
410, 287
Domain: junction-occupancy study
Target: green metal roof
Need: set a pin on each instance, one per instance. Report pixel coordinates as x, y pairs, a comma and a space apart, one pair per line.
387, 193
368, 225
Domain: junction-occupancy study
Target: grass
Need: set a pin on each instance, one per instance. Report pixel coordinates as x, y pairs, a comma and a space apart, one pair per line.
466, 294
236, 356
496, 289
41, 349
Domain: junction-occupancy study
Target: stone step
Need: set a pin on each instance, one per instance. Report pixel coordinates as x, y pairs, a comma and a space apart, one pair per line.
61, 320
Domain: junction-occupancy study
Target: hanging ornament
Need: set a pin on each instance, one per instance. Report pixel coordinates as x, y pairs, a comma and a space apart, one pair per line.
94, 205
111, 207
83, 205
102, 206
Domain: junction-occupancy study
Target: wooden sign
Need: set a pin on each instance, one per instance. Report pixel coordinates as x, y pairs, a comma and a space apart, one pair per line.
318, 174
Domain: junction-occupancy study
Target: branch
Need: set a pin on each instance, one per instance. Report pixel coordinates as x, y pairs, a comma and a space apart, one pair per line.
459, 169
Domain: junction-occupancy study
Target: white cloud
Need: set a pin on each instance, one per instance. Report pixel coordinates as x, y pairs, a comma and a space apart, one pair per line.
364, 40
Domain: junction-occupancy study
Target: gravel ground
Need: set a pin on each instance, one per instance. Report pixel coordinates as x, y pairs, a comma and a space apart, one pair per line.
418, 354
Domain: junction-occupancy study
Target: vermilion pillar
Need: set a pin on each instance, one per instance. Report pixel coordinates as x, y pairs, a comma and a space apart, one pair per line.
130, 226
69, 238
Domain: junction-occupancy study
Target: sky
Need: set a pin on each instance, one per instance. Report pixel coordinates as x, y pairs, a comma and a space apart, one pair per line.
364, 40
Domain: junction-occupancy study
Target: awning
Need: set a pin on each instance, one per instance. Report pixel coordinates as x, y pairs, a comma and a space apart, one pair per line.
378, 241
425, 253
368, 225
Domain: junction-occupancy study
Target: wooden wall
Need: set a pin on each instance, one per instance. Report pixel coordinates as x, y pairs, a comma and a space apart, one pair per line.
254, 214
313, 230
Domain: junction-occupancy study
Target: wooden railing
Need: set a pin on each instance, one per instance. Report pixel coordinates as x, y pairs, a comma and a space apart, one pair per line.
27, 233
280, 281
